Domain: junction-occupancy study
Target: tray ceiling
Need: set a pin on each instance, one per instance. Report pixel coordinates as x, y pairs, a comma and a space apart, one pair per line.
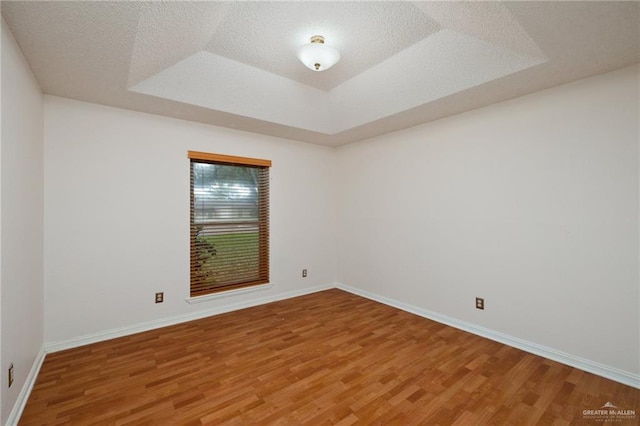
233, 64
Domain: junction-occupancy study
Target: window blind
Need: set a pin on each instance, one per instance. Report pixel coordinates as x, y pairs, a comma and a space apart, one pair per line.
229, 222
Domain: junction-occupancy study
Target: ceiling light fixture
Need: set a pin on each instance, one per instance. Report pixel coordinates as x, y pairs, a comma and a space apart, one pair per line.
317, 56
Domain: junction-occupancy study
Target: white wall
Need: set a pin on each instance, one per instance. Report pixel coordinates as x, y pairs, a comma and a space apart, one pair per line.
531, 204
21, 220
117, 215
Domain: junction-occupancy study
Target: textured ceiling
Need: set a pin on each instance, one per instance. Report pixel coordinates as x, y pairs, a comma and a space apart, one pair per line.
233, 64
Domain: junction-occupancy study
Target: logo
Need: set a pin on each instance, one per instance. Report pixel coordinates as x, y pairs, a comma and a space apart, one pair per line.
609, 413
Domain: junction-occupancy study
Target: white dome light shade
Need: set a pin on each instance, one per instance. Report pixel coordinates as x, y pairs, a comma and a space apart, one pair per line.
317, 56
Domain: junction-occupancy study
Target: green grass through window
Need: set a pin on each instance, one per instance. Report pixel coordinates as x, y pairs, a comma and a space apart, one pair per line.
237, 257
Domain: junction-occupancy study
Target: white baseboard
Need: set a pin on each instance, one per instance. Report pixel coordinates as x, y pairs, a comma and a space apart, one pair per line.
605, 371
23, 396
176, 319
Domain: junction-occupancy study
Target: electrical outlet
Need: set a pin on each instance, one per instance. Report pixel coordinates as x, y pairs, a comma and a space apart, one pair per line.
10, 374
160, 297
479, 303
304, 273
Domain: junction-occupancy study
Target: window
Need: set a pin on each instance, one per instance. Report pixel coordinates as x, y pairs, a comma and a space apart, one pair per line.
229, 222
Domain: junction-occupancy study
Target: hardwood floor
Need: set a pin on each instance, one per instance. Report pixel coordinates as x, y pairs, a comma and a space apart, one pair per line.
325, 358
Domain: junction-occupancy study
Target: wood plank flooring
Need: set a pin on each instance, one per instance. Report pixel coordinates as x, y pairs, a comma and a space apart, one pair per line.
325, 358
